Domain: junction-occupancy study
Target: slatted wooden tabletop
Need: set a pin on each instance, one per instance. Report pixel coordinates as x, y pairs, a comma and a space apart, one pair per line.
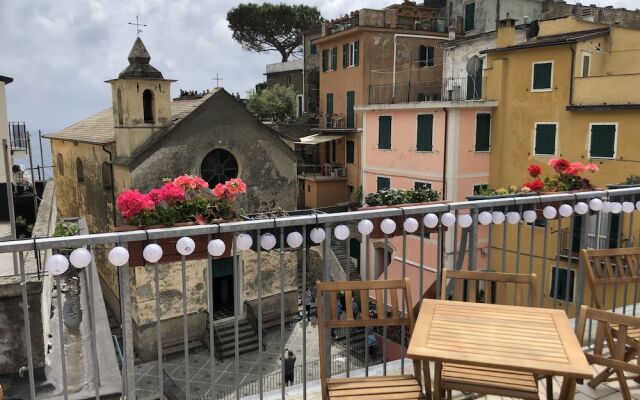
537, 340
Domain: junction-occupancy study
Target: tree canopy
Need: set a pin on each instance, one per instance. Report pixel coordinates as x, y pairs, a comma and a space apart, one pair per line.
273, 102
272, 27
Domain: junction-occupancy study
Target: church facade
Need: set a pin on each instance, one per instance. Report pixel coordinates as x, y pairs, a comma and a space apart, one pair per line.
146, 137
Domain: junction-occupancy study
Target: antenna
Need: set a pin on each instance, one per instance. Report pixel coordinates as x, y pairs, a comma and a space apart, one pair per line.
473, 65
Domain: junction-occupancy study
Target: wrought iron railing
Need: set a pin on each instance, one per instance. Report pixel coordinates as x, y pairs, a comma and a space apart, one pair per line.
449, 89
18, 136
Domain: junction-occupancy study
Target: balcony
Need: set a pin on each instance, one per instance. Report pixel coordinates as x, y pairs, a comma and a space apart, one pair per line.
181, 364
322, 171
451, 89
606, 92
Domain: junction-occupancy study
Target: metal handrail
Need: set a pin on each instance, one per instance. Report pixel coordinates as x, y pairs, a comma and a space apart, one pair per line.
219, 350
253, 320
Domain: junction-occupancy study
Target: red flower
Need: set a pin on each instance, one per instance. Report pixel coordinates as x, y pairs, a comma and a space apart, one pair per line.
559, 164
155, 195
131, 203
187, 182
230, 189
172, 193
200, 219
534, 170
535, 185
219, 190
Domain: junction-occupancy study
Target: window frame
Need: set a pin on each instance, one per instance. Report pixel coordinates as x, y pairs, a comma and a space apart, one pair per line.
464, 22
79, 170
572, 287
382, 177
585, 54
433, 122
390, 132
535, 139
533, 70
427, 184
475, 135
346, 155
615, 141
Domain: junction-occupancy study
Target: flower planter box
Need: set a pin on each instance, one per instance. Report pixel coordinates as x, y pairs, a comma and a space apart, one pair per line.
169, 251
276, 231
507, 208
632, 197
399, 220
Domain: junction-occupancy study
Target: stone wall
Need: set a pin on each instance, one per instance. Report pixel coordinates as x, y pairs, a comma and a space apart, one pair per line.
270, 274
286, 78
604, 15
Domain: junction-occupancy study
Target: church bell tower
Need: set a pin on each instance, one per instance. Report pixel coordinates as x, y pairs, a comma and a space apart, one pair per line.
141, 100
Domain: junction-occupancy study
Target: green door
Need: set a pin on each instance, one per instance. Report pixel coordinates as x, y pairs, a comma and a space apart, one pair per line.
351, 116
474, 84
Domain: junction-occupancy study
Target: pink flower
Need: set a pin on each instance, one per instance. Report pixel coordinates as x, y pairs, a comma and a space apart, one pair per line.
559, 164
131, 203
575, 168
155, 195
172, 193
200, 220
592, 167
535, 186
219, 190
191, 182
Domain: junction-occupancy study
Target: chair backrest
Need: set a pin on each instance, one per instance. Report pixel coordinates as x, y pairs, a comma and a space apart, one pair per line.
607, 268
605, 321
389, 288
490, 287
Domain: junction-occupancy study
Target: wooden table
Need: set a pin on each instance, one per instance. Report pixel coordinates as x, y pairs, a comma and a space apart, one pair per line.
536, 340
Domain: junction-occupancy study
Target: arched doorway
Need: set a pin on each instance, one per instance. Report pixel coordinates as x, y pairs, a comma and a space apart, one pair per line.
218, 167
147, 105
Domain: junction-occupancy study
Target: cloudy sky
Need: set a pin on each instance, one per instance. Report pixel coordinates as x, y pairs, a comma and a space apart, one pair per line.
61, 52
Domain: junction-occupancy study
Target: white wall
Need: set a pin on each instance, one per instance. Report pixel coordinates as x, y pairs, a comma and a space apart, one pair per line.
4, 128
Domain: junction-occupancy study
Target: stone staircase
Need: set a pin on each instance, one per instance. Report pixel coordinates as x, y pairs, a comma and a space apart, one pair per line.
247, 338
339, 249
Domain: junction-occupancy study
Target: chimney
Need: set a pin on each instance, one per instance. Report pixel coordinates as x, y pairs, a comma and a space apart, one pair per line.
506, 35
452, 32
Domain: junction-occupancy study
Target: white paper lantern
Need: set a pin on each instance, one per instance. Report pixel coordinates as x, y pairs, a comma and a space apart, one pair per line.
216, 247
485, 218
317, 235
606, 207
513, 217
529, 216
549, 212
152, 253
497, 217
448, 219
627, 207
430, 220
244, 241
267, 241
341, 232
80, 257
581, 208
616, 207
410, 225
294, 240
595, 204
365, 227
638, 205
465, 220
565, 210
185, 246
56, 264
388, 226
118, 256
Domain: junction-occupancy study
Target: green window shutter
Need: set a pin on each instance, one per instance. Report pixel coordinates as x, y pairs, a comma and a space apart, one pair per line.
334, 58
324, 60
329, 104
345, 52
431, 56
351, 116
384, 132
469, 16
542, 76
483, 132
423, 56
313, 49
545, 139
425, 133
603, 139
351, 152
356, 52
383, 183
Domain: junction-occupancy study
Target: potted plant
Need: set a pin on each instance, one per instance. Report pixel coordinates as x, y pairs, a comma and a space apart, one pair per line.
185, 200
500, 193
388, 198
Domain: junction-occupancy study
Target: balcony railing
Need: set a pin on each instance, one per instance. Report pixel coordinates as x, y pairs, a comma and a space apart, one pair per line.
326, 170
451, 89
18, 136
514, 246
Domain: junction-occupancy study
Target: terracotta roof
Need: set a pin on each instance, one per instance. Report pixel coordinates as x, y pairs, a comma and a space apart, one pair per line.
98, 128
552, 40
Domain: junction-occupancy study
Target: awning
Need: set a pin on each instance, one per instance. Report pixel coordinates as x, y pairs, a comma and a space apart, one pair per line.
394, 271
319, 138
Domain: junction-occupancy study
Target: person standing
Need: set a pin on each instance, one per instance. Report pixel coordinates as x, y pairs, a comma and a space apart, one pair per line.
308, 296
289, 367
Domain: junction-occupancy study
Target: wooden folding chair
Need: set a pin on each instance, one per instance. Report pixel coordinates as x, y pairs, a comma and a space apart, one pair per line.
617, 361
493, 288
367, 388
607, 271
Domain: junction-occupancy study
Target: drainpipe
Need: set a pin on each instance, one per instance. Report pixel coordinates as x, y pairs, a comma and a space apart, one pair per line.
395, 47
113, 186
444, 158
573, 62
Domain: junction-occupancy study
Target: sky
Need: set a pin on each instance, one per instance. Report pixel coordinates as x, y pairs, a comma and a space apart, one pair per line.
61, 52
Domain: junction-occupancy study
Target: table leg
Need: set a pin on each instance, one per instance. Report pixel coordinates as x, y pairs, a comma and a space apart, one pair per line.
426, 378
568, 389
437, 378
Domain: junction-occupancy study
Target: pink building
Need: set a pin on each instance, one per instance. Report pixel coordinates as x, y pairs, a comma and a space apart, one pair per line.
442, 145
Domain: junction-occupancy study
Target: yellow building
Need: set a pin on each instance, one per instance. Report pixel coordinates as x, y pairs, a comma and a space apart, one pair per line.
570, 92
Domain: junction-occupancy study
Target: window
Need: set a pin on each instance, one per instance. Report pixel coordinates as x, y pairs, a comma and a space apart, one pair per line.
424, 140
334, 58
586, 64
427, 56
107, 176
545, 138
562, 281
333, 151
79, 170
147, 104
383, 183
325, 60
350, 54
384, 132
218, 167
602, 140
119, 110
309, 188
469, 16
483, 132
479, 189
421, 185
313, 49
351, 116
351, 152
541, 76
329, 104
60, 164
329, 59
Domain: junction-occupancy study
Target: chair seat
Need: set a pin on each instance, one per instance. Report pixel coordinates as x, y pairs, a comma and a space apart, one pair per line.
375, 388
492, 381
632, 333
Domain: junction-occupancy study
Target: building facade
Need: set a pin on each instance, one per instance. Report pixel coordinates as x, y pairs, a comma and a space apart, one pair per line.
288, 73
311, 72
4, 124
